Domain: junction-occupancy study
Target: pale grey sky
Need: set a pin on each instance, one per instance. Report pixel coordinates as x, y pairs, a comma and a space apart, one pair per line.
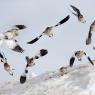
37, 15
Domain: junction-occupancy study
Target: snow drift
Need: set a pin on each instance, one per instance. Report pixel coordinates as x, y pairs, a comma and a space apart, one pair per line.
79, 80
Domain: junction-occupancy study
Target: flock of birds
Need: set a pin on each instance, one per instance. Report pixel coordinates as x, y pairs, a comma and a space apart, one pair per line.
9, 38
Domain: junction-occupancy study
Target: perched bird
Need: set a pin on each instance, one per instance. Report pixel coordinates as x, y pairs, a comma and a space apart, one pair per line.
89, 38
79, 54
48, 31
7, 67
31, 61
13, 45
78, 14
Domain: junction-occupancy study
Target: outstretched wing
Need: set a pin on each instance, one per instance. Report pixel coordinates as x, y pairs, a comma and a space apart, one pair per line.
90, 60
34, 40
63, 20
72, 59
88, 40
13, 32
20, 27
75, 9
13, 45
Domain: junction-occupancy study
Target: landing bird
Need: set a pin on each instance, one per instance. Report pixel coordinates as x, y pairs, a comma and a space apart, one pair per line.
78, 14
7, 66
31, 61
92, 28
79, 54
48, 31
13, 45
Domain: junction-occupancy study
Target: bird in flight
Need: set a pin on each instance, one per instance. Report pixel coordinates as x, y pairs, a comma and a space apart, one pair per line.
92, 29
48, 31
9, 38
78, 14
79, 54
7, 66
31, 61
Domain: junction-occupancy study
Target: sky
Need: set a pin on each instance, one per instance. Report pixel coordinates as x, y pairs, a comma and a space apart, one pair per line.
37, 15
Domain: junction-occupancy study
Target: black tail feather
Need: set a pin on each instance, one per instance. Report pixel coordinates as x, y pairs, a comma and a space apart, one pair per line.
90, 60
72, 59
63, 20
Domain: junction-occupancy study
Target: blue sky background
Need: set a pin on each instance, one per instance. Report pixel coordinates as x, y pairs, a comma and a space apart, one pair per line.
37, 15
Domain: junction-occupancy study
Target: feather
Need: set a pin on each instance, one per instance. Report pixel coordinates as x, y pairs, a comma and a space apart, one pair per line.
72, 59
76, 9
22, 79
13, 45
20, 27
34, 40
63, 20
90, 60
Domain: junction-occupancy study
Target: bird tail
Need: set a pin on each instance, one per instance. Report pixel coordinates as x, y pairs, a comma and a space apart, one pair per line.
62, 21
35, 40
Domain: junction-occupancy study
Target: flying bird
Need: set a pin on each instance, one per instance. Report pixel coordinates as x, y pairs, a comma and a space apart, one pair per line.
7, 66
12, 33
31, 61
48, 31
9, 38
89, 38
78, 14
79, 54
13, 45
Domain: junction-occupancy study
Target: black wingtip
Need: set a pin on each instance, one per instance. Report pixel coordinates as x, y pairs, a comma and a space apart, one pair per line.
43, 52
72, 59
18, 49
33, 41
90, 60
20, 26
22, 79
88, 41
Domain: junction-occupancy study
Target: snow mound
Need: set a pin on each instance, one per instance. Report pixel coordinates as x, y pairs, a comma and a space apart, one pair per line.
79, 80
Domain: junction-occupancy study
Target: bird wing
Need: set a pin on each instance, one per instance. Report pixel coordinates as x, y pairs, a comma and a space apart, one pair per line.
13, 45
75, 9
34, 40
63, 20
88, 40
72, 59
20, 27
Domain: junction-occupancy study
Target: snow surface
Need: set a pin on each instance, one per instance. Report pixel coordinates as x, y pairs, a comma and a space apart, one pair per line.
78, 80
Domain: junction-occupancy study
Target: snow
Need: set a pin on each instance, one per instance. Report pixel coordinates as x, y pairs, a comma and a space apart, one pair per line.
78, 80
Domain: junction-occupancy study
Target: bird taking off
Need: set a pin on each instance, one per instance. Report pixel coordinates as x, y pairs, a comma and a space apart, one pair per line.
48, 31
78, 14
79, 54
